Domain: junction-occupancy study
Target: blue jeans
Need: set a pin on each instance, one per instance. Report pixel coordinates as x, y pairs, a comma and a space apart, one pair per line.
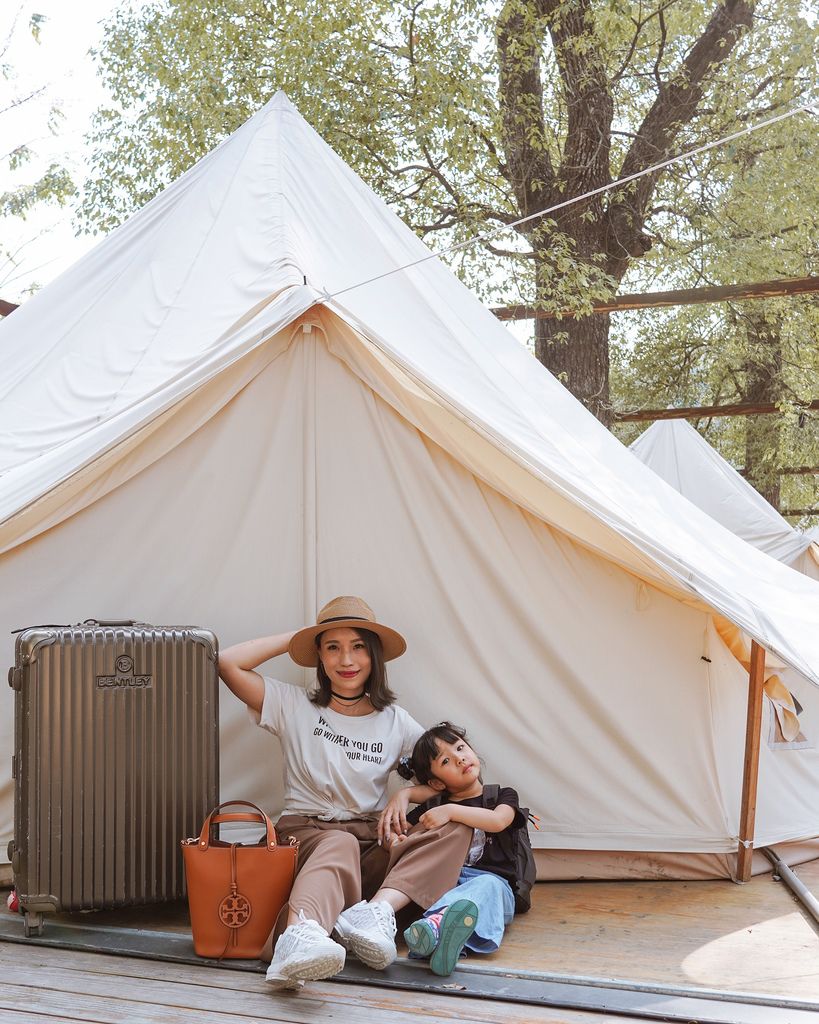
493, 897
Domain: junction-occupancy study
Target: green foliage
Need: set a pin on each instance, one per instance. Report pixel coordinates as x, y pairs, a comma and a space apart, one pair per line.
744, 213
464, 115
54, 185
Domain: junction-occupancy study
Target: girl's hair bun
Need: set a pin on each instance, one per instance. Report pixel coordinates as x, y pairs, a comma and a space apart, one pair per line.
404, 768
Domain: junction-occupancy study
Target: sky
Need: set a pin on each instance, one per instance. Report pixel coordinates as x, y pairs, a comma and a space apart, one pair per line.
44, 244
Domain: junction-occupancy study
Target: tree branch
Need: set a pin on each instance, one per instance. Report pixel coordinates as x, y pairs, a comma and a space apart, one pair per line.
520, 92
590, 107
675, 106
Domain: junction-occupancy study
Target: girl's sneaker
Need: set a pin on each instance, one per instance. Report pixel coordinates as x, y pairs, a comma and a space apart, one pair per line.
422, 936
442, 936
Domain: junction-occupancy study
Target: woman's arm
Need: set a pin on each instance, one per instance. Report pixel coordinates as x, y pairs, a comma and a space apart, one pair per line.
236, 665
496, 820
393, 821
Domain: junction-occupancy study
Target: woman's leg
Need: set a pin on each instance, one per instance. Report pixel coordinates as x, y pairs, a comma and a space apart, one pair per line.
419, 869
424, 865
328, 877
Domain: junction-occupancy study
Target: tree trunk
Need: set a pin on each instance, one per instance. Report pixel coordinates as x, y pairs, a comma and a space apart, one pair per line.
577, 353
763, 383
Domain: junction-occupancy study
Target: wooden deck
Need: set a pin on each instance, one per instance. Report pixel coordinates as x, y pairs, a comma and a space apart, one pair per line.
66, 986
710, 935
754, 937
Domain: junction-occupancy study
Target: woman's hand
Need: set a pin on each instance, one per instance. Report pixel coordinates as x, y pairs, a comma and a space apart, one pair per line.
436, 816
393, 821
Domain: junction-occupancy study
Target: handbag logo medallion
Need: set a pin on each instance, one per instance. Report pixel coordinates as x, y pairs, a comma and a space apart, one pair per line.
124, 677
234, 910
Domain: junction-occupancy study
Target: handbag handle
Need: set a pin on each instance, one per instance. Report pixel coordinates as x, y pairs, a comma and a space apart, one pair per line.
258, 816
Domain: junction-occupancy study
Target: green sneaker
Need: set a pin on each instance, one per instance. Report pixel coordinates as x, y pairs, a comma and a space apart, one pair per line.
422, 936
457, 924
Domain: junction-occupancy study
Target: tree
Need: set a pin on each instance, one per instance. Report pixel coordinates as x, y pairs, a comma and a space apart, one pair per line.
52, 185
742, 213
466, 116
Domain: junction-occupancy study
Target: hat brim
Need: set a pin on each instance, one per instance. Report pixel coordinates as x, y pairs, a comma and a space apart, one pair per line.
302, 648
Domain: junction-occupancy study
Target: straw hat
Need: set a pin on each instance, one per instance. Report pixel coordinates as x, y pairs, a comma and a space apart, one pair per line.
338, 613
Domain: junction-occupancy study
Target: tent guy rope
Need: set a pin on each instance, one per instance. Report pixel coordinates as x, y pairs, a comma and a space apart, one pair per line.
806, 108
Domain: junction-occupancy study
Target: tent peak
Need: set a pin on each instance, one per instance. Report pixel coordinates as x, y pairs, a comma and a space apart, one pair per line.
281, 100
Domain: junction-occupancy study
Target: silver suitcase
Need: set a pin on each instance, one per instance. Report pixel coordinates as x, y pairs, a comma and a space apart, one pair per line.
116, 760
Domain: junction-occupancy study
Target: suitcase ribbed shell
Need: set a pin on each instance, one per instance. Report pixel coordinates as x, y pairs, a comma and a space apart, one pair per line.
116, 761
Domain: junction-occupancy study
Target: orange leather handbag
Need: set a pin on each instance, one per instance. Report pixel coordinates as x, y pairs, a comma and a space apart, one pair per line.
235, 892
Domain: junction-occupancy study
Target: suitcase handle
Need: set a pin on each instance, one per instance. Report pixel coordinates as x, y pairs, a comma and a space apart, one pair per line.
111, 622
86, 622
258, 816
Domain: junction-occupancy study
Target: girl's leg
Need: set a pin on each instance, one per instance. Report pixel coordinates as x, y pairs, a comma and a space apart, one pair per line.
495, 902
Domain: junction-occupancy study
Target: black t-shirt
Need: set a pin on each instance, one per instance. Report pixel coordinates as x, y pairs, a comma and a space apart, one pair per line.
497, 854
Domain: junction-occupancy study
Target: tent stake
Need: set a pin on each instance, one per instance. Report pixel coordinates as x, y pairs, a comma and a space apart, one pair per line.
753, 730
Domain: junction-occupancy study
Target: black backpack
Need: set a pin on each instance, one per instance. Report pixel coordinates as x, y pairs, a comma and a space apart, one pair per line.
519, 852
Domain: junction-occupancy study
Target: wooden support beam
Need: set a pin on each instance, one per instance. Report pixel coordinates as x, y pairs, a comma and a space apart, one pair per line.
799, 512
6, 307
696, 412
750, 775
789, 471
677, 297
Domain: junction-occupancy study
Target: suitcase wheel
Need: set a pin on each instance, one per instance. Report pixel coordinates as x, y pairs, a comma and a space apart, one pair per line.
32, 924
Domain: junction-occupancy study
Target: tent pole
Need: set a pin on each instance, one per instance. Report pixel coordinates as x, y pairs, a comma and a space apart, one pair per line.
750, 778
309, 463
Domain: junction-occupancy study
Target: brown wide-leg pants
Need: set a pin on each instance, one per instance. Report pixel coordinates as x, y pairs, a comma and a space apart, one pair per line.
340, 863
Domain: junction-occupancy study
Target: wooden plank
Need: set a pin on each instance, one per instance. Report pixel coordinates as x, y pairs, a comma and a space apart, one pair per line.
79, 1007
23, 1017
97, 997
20, 1017
701, 412
76, 1006
113, 989
750, 773
676, 297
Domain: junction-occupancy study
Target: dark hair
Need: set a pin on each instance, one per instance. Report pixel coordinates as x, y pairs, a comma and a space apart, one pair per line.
426, 748
377, 688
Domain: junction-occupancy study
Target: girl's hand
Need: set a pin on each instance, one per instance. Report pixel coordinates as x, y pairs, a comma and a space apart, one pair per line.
436, 816
393, 820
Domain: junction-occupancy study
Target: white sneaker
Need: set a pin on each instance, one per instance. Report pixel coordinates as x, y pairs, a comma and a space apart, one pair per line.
368, 930
304, 952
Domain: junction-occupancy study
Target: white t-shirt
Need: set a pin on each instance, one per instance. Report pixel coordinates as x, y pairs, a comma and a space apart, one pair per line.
335, 766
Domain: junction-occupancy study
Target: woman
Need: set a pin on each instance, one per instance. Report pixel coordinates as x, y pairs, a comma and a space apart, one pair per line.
340, 743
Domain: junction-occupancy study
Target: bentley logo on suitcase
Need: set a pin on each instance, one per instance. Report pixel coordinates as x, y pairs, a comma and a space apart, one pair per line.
125, 675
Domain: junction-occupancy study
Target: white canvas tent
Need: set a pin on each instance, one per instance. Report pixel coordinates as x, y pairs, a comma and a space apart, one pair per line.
211, 419
675, 451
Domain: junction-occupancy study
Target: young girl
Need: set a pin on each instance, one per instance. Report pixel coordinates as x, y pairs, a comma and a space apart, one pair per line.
475, 912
